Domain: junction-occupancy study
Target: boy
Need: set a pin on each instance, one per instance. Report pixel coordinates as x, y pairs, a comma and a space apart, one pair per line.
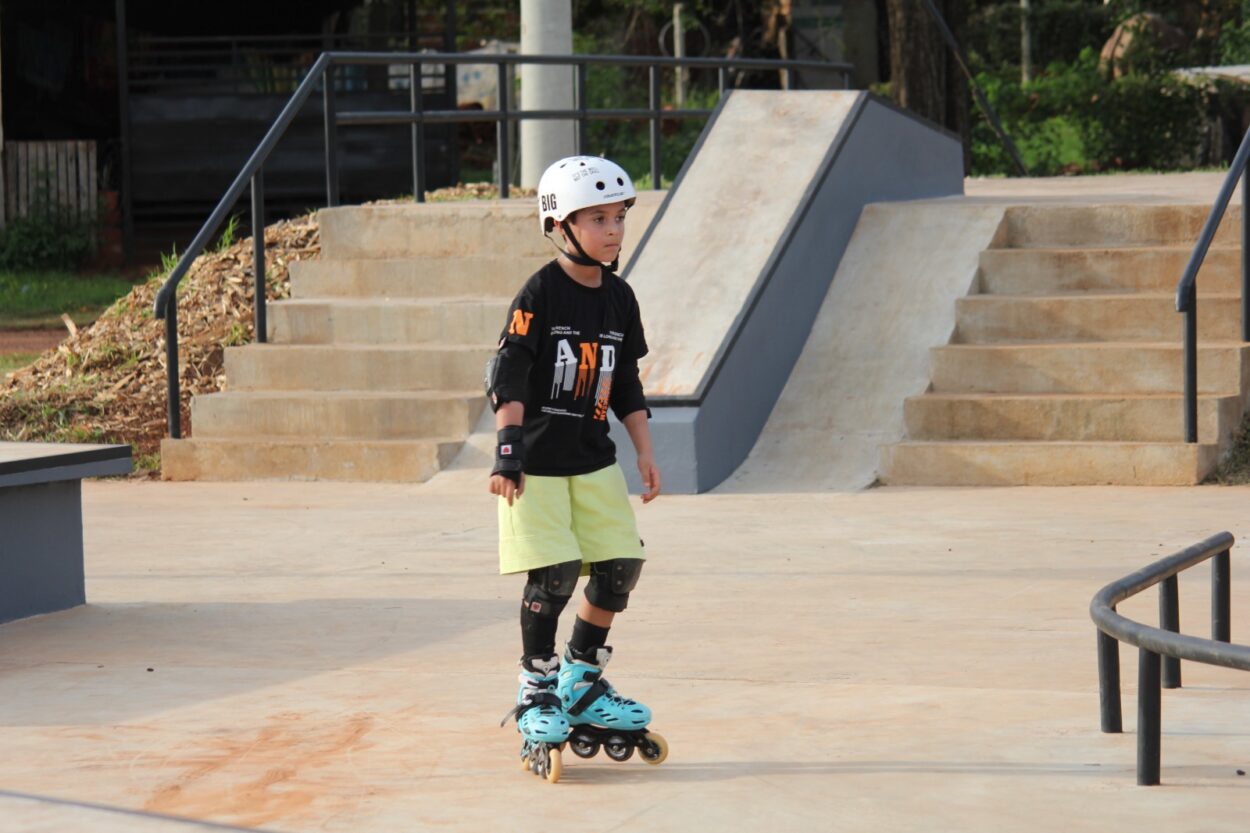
568, 353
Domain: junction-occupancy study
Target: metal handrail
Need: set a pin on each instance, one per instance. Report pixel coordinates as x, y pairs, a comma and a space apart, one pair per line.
1187, 287
1164, 641
166, 306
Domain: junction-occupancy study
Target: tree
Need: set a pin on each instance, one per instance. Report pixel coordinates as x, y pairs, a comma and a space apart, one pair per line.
925, 76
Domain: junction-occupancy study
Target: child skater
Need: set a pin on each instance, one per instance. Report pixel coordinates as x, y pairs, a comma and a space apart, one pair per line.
569, 352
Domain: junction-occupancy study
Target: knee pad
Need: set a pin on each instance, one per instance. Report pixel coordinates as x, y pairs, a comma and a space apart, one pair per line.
611, 582
550, 588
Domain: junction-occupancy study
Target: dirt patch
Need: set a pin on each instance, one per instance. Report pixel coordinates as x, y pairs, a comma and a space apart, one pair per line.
30, 341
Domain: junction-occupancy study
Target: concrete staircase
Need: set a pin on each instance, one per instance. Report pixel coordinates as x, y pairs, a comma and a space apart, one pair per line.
1066, 367
373, 367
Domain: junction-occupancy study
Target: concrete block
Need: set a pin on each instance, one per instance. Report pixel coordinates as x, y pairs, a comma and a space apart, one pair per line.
1102, 226
1097, 367
465, 321
425, 277
984, 319
1084, 418
337, 414
1103, 270
1007, 463
355, 367
273, 458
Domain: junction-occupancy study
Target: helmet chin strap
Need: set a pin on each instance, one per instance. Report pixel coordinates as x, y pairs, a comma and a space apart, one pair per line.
581, 258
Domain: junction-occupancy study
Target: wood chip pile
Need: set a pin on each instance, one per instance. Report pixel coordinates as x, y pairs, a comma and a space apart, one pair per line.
107, 382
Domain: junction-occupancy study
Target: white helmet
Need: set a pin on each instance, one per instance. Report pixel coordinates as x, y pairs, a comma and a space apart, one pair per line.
577, 182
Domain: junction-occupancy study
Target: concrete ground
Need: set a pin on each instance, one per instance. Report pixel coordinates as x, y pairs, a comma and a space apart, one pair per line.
318, 656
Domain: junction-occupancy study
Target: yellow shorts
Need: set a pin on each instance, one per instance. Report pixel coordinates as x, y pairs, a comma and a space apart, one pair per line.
584, 518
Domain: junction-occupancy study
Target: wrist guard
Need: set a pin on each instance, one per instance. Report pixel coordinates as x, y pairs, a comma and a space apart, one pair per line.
510, 453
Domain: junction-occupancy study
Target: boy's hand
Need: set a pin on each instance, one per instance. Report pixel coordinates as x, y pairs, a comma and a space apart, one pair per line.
650, 477
505, 488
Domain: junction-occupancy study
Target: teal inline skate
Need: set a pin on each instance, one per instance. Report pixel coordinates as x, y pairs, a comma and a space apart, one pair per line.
539, 717
601, 718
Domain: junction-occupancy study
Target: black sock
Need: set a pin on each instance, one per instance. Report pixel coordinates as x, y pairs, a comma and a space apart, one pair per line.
587, 637
538, 633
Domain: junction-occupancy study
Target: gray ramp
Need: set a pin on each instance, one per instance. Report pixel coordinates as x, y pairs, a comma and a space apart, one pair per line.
734, 269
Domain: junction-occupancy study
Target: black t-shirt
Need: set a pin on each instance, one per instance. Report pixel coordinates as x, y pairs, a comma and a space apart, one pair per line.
583, 344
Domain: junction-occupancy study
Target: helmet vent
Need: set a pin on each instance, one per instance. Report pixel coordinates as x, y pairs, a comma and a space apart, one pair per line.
600, 185
620, 181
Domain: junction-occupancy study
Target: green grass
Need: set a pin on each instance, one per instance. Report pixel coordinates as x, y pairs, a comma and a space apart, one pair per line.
15, 361
37, 299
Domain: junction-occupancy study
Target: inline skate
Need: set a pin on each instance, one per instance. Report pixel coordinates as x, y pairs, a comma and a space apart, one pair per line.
539, 717
601, 718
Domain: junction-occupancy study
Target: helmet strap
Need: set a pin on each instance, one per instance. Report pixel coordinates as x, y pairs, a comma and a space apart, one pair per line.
581, 258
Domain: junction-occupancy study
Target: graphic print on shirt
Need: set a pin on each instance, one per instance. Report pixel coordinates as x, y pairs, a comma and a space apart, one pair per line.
575, 372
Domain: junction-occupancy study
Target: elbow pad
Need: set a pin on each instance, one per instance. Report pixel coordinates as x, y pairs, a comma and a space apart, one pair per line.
507, 375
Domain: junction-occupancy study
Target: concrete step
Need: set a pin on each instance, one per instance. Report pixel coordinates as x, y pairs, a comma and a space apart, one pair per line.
279, 458
355, 367
1097, 367
1072, 417
426, 277
353, 414
1006, 463
1067, 226
508, 227
987, 319
1103, 270
468, 321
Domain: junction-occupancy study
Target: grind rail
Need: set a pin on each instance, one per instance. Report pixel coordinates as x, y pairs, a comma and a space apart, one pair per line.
1161, 649
320, 74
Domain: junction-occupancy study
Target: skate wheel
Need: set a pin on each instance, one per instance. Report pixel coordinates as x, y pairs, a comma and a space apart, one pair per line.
525, 762
584, 747
653, 749
618, 748
554, 765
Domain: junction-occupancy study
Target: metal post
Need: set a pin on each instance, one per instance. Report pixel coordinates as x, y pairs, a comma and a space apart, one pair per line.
1149, 718
1109, 683
174, 401
679, 51
583, 122
258, 252
789, 71
1245, 263
1221, 598
1191, 368
1170, 620
123, 104
332, 137
722, 81
655, 127
501, 131
417, 103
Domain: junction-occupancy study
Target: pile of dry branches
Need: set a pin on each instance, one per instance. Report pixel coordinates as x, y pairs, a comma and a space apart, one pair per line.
107, 382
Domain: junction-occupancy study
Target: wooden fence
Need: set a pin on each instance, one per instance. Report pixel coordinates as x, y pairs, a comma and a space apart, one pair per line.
61, 173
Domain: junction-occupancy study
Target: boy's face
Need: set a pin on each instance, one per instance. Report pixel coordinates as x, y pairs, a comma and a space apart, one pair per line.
600, 230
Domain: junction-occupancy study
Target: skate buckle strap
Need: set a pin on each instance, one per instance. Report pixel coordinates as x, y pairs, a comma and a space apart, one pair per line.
532, 701
597, 688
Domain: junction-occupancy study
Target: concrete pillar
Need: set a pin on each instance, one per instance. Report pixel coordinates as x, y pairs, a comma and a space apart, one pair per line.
546, 29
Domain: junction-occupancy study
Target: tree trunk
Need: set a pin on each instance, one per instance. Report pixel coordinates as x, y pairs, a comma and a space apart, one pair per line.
924, 73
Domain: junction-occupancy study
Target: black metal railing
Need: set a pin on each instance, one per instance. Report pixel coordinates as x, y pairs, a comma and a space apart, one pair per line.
1187, 288
321, 75
1161, 649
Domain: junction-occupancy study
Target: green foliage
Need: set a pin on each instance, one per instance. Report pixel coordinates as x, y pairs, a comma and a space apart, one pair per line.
46, 237
228, 234
1072, 119
34, 298
15, 361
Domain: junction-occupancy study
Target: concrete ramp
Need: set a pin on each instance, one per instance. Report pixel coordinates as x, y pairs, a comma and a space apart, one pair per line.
893, 299
733, 271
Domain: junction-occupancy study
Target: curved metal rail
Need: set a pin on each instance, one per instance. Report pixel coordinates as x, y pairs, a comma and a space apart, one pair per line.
1161, 649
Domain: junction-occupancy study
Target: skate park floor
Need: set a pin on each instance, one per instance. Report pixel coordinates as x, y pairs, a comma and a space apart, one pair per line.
319, 656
